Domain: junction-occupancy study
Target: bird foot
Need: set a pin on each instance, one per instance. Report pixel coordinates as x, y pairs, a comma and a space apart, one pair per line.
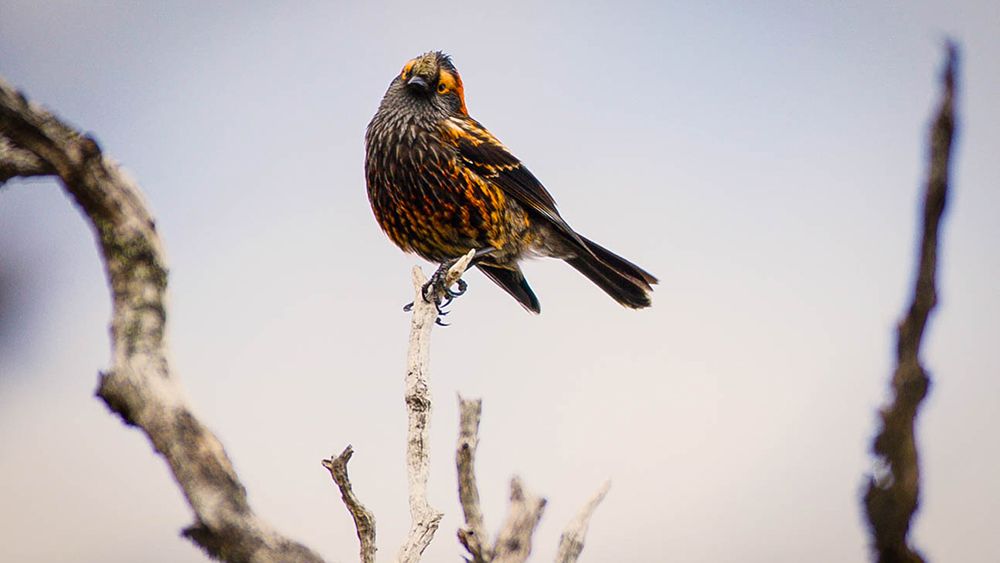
437, 291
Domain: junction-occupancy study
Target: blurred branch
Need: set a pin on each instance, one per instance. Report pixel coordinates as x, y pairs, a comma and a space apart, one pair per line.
424, 520
140, 386
364, 520
893, 493
514, 540
571, 541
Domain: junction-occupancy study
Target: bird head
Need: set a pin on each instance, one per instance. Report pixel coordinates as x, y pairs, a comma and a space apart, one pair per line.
432, 79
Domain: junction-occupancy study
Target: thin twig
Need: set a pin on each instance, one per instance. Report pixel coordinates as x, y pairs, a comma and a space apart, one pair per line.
514, 540
141, 386
473, 535
424, 520
364, 520
893, 493
571, 541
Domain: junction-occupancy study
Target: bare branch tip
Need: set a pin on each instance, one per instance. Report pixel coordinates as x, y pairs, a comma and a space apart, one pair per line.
340, 461
459, 267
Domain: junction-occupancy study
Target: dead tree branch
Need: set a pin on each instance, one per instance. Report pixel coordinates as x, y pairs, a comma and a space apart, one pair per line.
424, 520
140, 386
893, 492
364, 520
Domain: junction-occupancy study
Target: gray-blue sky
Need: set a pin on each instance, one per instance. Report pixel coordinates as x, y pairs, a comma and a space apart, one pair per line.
762, 160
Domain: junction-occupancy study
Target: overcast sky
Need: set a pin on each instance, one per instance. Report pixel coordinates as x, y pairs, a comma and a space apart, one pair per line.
762, 160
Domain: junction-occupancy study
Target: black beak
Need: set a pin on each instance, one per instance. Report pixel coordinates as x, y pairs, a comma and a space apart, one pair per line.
417, 84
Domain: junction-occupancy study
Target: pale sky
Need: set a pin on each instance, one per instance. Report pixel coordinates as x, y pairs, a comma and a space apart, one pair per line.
763, 161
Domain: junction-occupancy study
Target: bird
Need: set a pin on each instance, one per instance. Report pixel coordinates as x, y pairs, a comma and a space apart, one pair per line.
441, 185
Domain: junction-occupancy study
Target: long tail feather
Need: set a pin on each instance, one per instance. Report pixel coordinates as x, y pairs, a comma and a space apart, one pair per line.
625, 282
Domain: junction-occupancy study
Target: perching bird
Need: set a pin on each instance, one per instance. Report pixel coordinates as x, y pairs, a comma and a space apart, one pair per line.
441, 184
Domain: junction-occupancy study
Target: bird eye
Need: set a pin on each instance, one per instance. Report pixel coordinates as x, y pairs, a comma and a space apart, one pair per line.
442, 88
403, 74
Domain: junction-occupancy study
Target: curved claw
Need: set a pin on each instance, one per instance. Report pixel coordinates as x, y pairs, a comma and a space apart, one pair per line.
462, 287
408, 307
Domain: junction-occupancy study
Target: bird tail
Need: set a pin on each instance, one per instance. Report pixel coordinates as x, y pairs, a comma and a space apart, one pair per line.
625, 282
513, 282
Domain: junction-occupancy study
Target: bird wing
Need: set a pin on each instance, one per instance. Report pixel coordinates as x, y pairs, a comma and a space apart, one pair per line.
490, 159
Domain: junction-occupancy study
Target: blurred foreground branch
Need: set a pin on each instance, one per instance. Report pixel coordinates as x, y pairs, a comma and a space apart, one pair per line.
140, 386
16, 162
893, 492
